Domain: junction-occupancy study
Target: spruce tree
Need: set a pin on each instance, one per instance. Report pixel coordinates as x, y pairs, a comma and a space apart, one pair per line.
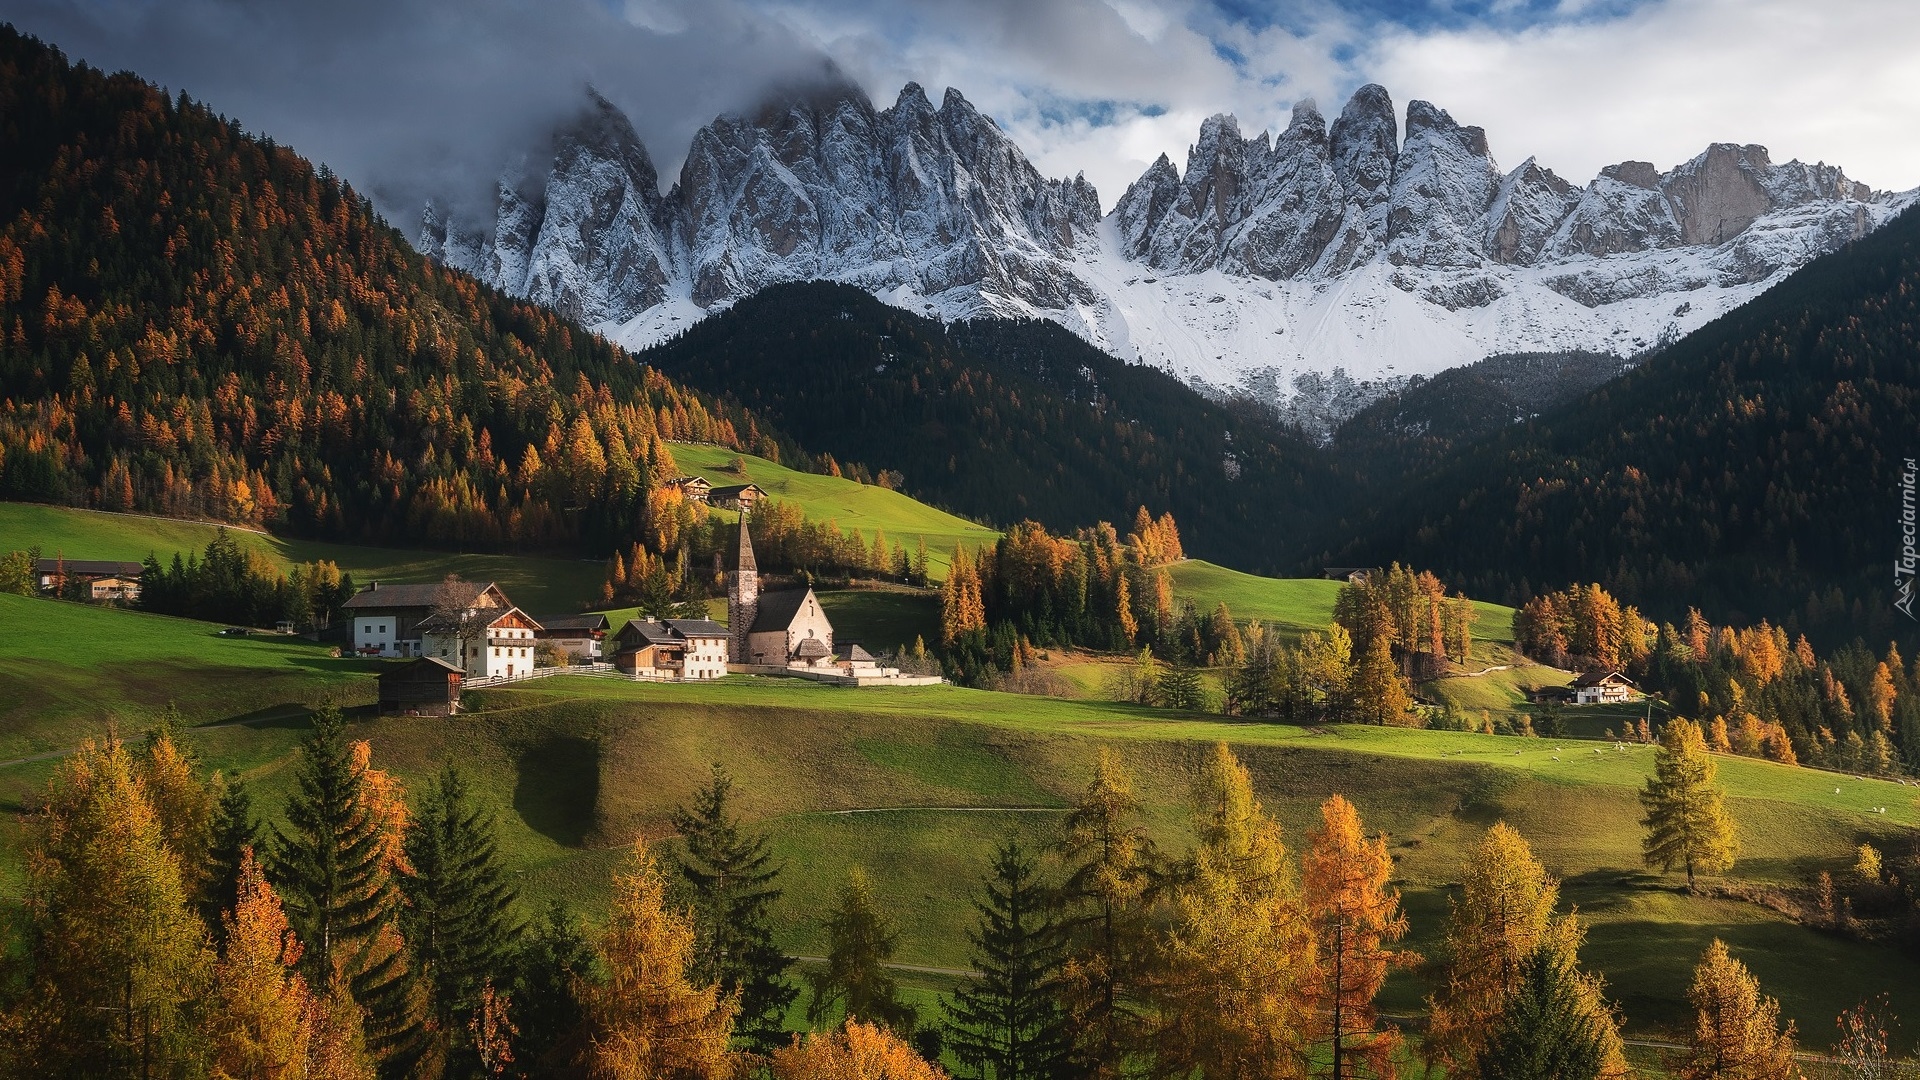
337, 886
1545, 1031
460, 919
731, 876
554, 961
1687, 822
235, 832
1007, 1024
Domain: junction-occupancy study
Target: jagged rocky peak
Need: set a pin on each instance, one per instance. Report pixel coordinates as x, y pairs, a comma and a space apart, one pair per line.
1444, 180
1364, 143
1526, 211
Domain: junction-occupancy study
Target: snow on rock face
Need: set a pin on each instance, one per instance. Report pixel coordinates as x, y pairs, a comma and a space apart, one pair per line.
1267, 260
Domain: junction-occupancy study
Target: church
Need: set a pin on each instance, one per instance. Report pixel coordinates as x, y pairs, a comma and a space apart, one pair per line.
782, 628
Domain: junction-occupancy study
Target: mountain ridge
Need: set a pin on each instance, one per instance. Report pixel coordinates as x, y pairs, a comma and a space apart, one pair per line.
1351, 246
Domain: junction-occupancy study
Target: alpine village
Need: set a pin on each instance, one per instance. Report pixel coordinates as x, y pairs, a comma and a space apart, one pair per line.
408, 670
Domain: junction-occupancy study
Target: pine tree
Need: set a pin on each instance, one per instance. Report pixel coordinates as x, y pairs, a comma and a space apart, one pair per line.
1107, 853
1354, 917
1736, 1033
647, 1019
1179, 688
1544, 1030
731, 876
1007, 1024
460, 919
235, 833
1687, 822
1235, 979
554, 962
335, 869
262, 1014
117, 957
860, 942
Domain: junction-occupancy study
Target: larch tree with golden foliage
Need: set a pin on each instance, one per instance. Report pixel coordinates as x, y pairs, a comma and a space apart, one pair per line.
856, 1052
648, 1022
1736, 1030
1107, 853
1686, 821
1239, 957
1355, 920
1504, 915
261, 1026
117, 958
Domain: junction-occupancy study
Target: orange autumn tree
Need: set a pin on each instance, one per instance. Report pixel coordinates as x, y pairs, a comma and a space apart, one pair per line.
647, 1020
1355, 918
856, 1052
263, 1016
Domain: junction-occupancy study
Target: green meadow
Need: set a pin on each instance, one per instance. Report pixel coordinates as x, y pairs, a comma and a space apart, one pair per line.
541, 585
917, 785
851, 505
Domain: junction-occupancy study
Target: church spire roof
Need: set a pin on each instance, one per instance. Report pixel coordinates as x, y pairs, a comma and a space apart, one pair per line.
745, 560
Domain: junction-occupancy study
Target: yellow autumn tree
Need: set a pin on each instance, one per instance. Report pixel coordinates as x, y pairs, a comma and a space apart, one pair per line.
183, 805
1503, 915
117, 958
648, 1022
856, 1052
261, 1023
1239, 956
1736, 1031
1355, 919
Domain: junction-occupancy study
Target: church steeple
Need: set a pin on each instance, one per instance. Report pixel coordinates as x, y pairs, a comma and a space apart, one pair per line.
745, 558
743, 598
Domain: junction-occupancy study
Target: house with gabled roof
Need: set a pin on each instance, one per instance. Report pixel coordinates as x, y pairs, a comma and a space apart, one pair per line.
1603, 688
384, 620
693, 649
486, 643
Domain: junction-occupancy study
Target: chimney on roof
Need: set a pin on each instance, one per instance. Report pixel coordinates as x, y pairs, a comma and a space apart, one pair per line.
374, 586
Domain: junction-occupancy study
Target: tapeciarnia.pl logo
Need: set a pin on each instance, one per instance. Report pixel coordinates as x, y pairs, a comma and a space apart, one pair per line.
1903, 567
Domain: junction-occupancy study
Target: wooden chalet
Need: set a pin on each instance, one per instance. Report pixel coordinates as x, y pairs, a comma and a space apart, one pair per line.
1603, 688
692, 488
741, 497
425, 686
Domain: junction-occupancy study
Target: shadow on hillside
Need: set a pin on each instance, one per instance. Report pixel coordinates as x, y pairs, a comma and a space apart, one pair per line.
557, 788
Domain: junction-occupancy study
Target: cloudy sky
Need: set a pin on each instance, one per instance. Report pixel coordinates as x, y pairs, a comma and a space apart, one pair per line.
406, 96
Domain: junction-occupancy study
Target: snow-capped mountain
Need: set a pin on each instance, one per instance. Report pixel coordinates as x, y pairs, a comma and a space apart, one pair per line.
1343, 246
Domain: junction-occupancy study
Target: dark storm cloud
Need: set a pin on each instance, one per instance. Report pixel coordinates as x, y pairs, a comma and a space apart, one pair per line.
408, 97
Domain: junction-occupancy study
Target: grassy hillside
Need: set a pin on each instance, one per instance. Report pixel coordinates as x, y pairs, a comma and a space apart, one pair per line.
853, 505
540, 585
68, 669
917, 785
1297, 604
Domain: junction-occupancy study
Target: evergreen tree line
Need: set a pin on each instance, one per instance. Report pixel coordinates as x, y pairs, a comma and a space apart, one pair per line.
231, 584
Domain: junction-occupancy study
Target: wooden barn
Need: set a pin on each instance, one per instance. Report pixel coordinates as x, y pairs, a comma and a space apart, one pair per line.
426, 686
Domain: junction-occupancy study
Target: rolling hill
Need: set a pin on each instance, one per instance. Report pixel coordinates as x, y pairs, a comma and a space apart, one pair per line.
917, 785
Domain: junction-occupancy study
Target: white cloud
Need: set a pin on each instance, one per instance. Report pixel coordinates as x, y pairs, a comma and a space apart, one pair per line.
1837, 80
405, 96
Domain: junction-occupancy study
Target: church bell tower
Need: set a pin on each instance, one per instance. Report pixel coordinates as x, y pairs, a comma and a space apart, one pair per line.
743, 598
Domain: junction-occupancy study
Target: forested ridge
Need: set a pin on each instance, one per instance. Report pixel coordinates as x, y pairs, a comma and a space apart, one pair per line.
1751, 469
195, 321
1006, 420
